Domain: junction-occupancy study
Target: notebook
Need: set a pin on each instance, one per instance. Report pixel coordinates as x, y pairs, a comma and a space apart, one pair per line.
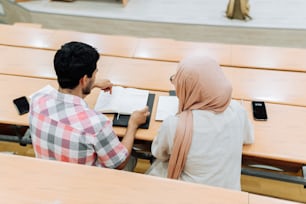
167, 105
122, 102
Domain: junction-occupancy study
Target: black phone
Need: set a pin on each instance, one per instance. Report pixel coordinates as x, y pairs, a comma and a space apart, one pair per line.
22, 105
259, 110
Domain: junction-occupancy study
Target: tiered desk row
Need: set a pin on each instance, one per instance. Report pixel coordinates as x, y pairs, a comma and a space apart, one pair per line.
27, 180
274, 75
259, 57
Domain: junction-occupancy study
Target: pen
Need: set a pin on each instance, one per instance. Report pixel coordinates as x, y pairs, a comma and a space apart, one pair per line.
118, 115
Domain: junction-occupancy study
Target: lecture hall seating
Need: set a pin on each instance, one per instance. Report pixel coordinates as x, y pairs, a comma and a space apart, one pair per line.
276, 77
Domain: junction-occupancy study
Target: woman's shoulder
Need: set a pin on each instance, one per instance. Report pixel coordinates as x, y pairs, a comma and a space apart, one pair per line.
236, 105
170, 122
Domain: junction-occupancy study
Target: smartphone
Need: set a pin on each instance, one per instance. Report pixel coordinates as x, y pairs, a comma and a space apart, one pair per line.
22, 105
259, 110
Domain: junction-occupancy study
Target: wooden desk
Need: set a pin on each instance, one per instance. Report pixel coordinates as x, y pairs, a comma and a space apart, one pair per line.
58, 182
32, 25
256, 199
15, 86
268, 85
40, 38
248, 84
122, 46
279, 141
146, 74
27, 62
29, 180
39, 64
259, 57
280, 138
174, 51
26, 37
278, 58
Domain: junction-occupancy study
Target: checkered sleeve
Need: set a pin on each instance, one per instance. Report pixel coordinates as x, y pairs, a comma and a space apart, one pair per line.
111, 152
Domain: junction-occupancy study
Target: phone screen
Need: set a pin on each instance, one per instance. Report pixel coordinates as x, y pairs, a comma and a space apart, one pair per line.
259, 110
22, 105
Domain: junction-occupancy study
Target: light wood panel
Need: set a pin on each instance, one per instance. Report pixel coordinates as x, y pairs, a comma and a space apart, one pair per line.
26, 37
274, 139
248, 84
278, 58
174, 51
58, 182
259, 57
282, 136
39, 38
268, 85
27, 62
122, 46
17, 149
14, 86
272, 188
31, 25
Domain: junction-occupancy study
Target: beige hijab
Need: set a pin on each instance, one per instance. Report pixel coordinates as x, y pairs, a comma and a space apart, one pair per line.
200, 85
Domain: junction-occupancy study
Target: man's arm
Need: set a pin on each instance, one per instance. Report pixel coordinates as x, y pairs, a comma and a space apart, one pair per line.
137, 118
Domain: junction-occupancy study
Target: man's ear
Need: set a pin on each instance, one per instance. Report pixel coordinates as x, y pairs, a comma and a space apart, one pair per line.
83, 80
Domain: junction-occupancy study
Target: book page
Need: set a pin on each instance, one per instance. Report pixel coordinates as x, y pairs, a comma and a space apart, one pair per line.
167, 105
132, 99
109, 103
122, 100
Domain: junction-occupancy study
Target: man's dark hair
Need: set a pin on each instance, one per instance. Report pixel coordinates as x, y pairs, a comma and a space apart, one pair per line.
73, 61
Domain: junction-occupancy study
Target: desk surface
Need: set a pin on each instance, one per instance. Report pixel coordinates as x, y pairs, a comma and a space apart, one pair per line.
122, 46
274, 139
249, 84
282, 136
292, 59
172, 50
26, 37
27, 62
58, 182
25, 86
257, 199
40, 38
261, 57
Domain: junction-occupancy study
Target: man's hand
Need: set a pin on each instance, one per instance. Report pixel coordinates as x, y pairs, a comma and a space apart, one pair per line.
139, 117
103, 84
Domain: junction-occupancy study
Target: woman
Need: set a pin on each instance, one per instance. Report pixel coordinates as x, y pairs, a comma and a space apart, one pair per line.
203, 142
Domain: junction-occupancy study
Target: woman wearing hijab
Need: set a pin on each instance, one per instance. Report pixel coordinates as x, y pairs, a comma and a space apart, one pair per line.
203, 142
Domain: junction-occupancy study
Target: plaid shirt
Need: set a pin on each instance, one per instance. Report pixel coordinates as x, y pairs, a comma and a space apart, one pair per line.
64, 128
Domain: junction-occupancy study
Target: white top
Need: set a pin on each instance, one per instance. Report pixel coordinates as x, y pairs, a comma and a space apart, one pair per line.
215, 154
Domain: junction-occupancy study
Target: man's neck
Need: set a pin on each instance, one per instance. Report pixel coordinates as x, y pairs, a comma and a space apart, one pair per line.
76, 92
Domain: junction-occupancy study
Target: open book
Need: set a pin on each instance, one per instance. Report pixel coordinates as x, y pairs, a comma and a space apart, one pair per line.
122, 100
167, 105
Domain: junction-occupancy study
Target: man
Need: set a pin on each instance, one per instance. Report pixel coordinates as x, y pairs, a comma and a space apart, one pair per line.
64, 128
